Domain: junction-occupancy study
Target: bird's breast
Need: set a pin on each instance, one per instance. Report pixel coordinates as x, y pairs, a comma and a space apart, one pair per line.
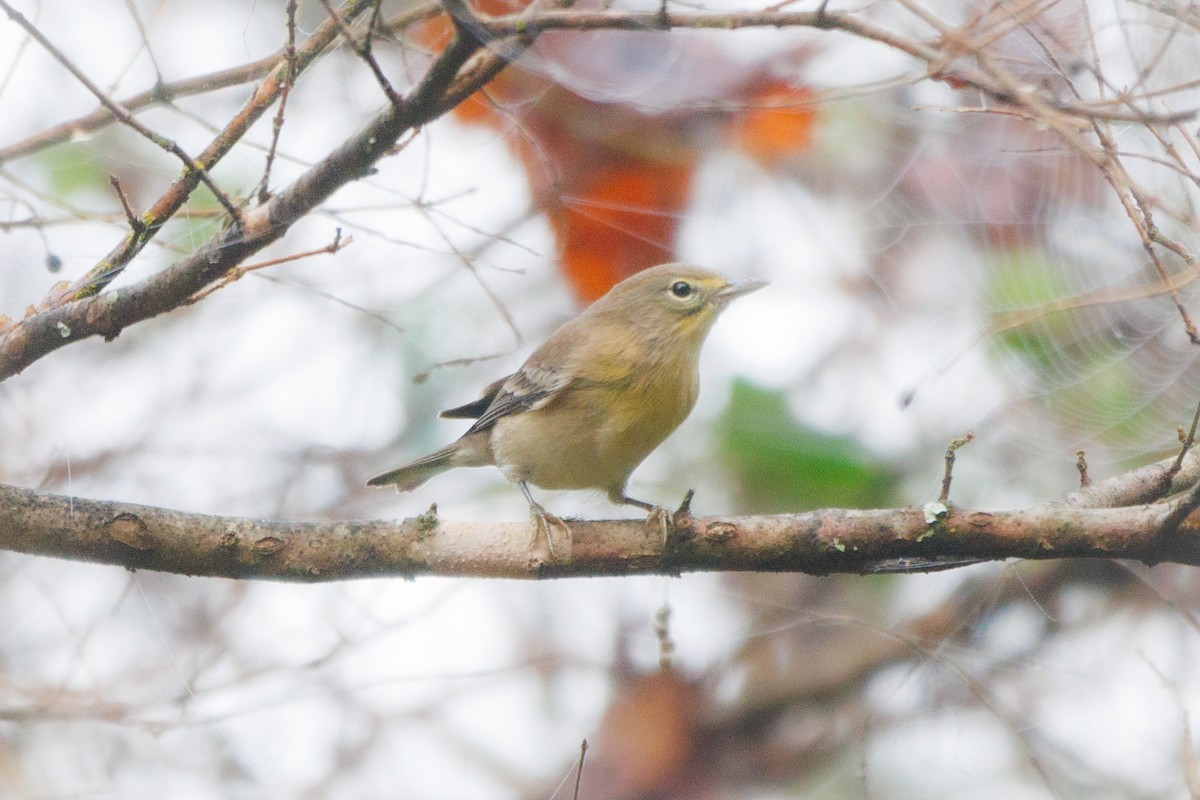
596, 432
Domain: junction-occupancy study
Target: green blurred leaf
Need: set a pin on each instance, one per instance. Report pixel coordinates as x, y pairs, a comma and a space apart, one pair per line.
73, 169
1079, 357
780, 464
1021, 280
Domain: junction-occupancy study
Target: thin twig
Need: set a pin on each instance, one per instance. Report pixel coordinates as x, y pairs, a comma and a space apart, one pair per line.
135, 224
583, 748
236, 273
1183, 508
169, 203
131, 7
187, 87
1187, 441
123, 114
458, 71
363, 50
947, 473
285, 89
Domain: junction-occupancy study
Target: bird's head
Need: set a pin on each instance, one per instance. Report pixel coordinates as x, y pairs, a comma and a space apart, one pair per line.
673, 301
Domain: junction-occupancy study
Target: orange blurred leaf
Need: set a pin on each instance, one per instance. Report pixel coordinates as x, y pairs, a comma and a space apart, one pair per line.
624, 219
778, 125
614, 178
646, 741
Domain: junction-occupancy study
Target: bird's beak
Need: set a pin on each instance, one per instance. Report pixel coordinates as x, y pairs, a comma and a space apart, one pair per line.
739, 288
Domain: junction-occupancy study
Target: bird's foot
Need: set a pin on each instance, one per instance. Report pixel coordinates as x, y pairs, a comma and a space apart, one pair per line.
657, 517
667, 521
660, 519
550, 534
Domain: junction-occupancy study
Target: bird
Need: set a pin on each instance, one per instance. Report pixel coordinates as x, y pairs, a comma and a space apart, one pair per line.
597, 397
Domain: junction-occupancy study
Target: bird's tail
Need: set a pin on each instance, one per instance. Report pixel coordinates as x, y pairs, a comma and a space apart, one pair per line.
413, 474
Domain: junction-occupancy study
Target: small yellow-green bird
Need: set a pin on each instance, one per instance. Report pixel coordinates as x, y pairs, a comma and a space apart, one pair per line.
598, 396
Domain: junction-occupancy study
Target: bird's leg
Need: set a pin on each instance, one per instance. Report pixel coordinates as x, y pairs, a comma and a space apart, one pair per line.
544, 525
656, 516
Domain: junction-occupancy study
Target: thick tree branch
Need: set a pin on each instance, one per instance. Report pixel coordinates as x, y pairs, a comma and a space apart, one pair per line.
816, 542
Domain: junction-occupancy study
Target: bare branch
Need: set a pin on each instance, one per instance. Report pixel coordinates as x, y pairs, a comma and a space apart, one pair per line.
453, 76
237, 273
135, 224
948, 470
188, 87
285, 88
363, 51
816, 542
942, 60
177, 194
193, 166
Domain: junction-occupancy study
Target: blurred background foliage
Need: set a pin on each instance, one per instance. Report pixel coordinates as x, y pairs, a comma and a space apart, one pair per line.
780, 465
925, 244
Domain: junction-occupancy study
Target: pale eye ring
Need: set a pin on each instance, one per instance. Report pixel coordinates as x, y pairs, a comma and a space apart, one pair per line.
682, 289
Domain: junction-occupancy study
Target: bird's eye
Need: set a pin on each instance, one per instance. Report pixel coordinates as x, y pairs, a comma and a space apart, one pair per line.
681, 289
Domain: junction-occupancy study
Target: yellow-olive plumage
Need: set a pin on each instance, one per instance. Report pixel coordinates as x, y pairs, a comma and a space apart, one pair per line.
599, 395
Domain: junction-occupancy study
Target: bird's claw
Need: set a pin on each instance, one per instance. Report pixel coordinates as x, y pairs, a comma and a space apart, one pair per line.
661, 519
666, 521
551, 530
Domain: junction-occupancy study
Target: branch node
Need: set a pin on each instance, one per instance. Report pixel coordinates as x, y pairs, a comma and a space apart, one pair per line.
684, 511
663, 17
1186, 440
467, 25
131, 531
427, 523
267, 546
821, 20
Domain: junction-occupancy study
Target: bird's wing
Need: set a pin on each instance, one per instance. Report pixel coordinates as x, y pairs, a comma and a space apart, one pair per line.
476, 408
527, 389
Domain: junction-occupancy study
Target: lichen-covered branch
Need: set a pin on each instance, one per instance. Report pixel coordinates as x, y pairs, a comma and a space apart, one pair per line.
817, 542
